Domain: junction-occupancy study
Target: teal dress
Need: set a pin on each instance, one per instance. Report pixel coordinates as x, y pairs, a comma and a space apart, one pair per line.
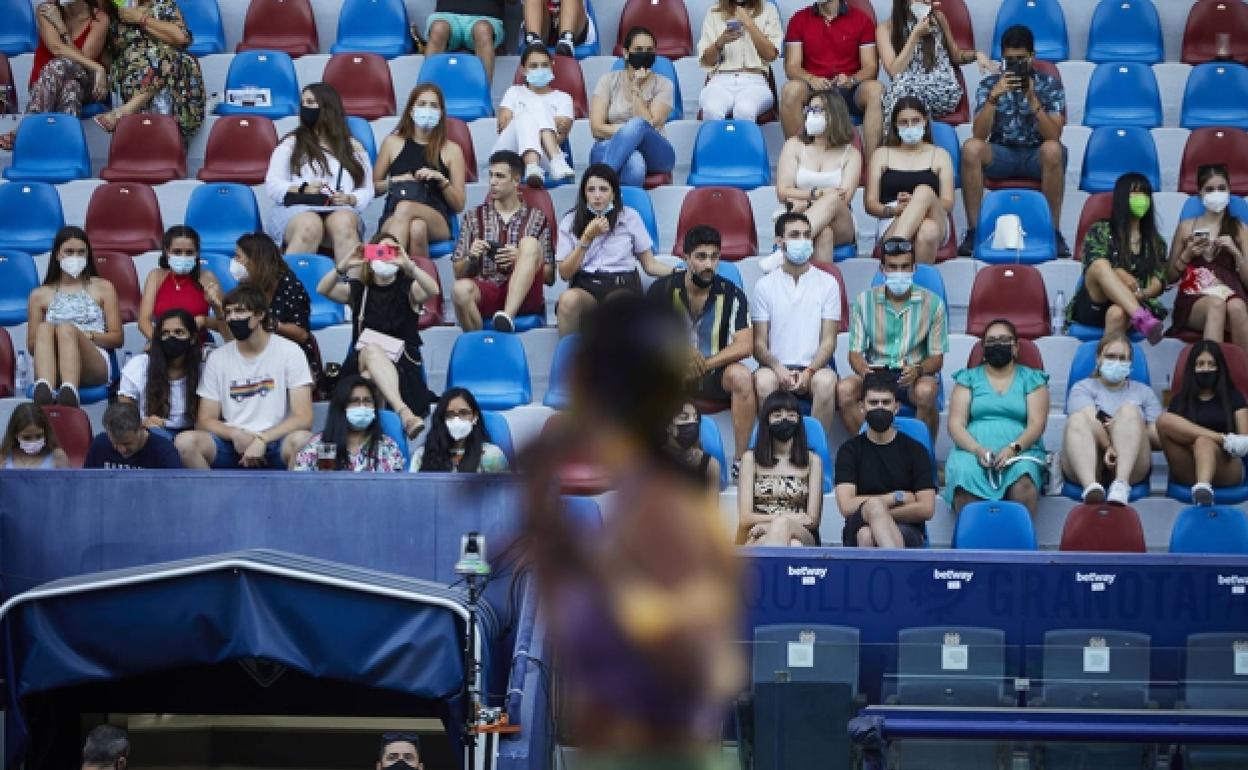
996, 419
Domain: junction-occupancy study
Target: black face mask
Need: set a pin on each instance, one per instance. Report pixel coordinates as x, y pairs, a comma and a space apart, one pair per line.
400, 765
641, 60
240, 328
687, 434
699, 281
174, 347
998, 355
308, 116
784, 430
879, 420
1206, 380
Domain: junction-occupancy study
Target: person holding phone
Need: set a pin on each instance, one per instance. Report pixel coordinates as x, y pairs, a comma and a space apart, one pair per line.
627, 114
740, 39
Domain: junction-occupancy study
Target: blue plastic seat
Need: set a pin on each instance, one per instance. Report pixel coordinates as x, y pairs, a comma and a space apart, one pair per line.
713, 444
1216, 95
946, 136
1089, 333
30, 215
362, 130
203, 19
50, 147
558, 388
664, 66
221, 212
1112, 152
18, 278
639, 200
1039, 244
219, 264
1221, 495
1045, 20
1002, 525
447, 247
392, 426
461, 76
1123, 94
493, 367
1125, 31
730, 153
263, 69
18, 34
816, 441
499, 434
845, 251
373, 26
310, 268
1214, 529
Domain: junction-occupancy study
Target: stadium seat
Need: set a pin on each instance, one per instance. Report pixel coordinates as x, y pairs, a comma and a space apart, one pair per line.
725, 270
50, 147
713, 444
124, 216
1216, 95
146, 148
288, 26
373, 26
18, 34
1211, 144
835, 660
1125, 31
1112, 152
493, 366
1098, 206
1028, 354
817, 442
392, 426
726, 209
30, 216
1104, 528
220, 213
457, 131
663, 66
362, 131
835, 272
1210, 529
203, 20
18, 278
239, 148
536, 197
729, 153
1123, 94
431, 308
73, 431
8, 365
1039, 244
946, 136
1122, 683
1208, 18
461, 76
959, 19
363, 80
309, 268
657, 179
498, 433
637, 199
569, 79
445, 248
1015, 292
962, 113
559, 386
118, 269
263, 69
219, 265
1001, 525
668, 20
1045, 20
1236, 361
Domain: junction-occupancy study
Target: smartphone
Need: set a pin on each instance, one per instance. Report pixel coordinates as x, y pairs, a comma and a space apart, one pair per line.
1201, 234
1102, 416
1019, 68
383, 252
734, 25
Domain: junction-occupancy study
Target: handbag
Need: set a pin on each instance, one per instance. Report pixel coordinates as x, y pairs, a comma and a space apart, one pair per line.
393, 347
417, 192
318, 198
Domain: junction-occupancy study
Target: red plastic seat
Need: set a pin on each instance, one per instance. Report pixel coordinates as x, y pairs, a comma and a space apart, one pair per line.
834, 271
280, 25
8, 365
457, 131
1215, 144
959, 19
539, 198
1098, 206
728, 210
667, 19
1028, 355
1208, 18
431, 309
125, 217
239, 148
73, 431
1014, 292
569, 79
146, 148
1023, 183
962, 113
363, 80
119, 269
1106, 528
1236, 360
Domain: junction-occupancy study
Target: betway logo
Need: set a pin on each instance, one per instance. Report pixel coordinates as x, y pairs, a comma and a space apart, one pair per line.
951, 574
1094, 577
818, 572
1232, 580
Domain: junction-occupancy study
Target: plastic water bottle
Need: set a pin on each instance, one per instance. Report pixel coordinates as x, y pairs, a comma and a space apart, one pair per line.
162, 102
22, 375
1059, 313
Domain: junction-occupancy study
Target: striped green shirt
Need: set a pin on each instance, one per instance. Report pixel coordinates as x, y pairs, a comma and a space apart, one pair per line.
893, 335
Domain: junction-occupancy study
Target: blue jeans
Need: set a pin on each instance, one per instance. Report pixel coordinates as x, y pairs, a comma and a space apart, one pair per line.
635, 150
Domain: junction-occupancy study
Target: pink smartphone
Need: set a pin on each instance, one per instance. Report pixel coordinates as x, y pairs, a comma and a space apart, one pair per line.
383, 252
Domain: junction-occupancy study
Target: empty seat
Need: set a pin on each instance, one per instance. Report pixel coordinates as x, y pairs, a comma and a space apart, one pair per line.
730, 153
1123, 94
664, 67
1112, 152
272, 70
1210, 529
668, 20
461, 76
118, 269
220, 213
493, 367
1045, 20
457, 131
1015, 292
1039, 241
50, 147
146, 148
30, 215
1028, 354
239, 148
18, 278
951, 666
8, 88
569, 79
637, 199
1216, 95
1103, 527
498, 433
959, 19
834, 659
558, 389
124, 216
392, 426
72, 428
362, 131
1205, 21
279, 25
17, 34
1212, 680
835, 272
1211, 144
8, 365
726, 209
310, 268
1002, 525
373, 26
203, 21
1125, 31
364, 81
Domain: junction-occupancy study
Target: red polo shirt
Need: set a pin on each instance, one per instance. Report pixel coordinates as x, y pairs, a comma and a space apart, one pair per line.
830, 48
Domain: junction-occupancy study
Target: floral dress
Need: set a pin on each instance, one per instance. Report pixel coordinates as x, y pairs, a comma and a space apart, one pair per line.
141, 62
937, 88
389, 457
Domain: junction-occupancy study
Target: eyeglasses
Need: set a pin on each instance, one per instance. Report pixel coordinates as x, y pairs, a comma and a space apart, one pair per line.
894, 246
998, 340
463, 414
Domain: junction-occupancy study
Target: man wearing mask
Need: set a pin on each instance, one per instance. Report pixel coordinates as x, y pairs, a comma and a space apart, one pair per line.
884, 479
796, 314
900, 330
717, 313
400, 751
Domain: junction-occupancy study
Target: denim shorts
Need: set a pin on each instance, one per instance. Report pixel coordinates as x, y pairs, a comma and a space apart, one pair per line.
1016, 162
228, 457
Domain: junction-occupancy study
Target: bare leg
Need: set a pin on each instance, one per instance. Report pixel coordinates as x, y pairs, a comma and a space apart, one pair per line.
1052, 177
1024, 491
77, 358
536, 20
344, 232
976, 156
1237, 319
378, 367
870, 100
848, 398
1127, 434
197, 449
792, 101
572, 304
439, 36
1104, 285
1083, 444
831, 215
304, 233
572, 17
962, 498
740, 386
45, 354
883, 528
483, 47
292, 443
1209, 316
528, 262
464, 296
1178, 440
823, 397
765, 383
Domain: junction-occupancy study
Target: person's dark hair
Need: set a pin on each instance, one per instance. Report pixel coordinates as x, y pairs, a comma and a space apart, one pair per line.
1120, 226
69, 233
531, 50
632, 34
784, 219
122, 418
331, 133
512, 159
581, 217
701, 235
265, 265
727, 8
840, 130
105, 745
248, 298
765, 447
1187, 400
438, 135
910, 251
398, 737
908, 103
336, 425
1018, 36
156, 392
1230, 222
903, 21
166, 242
23, 416
1007, 323
880, 382
437, 454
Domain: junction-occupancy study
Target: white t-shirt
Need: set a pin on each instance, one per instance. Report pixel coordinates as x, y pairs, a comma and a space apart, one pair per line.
252, 392
521, 98
134, 385
794, 311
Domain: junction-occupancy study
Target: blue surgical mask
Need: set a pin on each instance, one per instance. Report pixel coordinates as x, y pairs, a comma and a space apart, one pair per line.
1115, 372
899, 283
540, 77
799, 250
910, 134
360, 417
182, 265
610, 207
426, 117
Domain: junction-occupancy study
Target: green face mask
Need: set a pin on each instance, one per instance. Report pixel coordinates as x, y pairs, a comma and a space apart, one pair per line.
1139, 203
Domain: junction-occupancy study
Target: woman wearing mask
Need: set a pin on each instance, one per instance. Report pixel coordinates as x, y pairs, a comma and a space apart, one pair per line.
627, 114
74, 322
163, 381
258, 262
1204, 432
600, 244
740, 39
780, 490
421, 173
1207, 259
458, 441
685, 446
534, 119
997, 415
1111, 426
180, 283
910, 182
29, 442
318, 179
352, 428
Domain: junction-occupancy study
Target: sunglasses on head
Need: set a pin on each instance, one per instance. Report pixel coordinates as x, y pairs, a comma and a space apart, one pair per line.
895, 246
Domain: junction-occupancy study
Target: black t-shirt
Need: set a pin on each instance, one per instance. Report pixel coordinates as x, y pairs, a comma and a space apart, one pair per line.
158, 452
1208, 414
877, 469
493, 8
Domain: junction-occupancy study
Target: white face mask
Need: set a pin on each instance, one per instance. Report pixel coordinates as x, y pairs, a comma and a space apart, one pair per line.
182, 265
31, 447
385, 269
1216, 201
426, 117
459, 428
920, 10
816, 124
237, 271
74, 265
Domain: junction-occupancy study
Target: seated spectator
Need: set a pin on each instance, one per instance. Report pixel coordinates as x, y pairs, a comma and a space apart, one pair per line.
1207, 260
421, 173
126, 445
385, 297
883, 477
399, 748
458, 441
163, 381
151, 68
255, 394
74, 320
684, 444
318, 179
627, 114
797, 314
504, 254
780, 494
67, 71
534, 119
353, 431
257, 262
467, 25
601, 242
179, 282
997, 417
565, 25
1111, 426
901, 329
739, 41
1203, 432
29, 441
718, 316
818, 172
832, 45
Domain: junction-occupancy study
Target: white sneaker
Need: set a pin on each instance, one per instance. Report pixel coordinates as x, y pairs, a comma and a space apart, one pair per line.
1236, 444
559, 168
1119, 492
1094, 493
1202, 493
534, 176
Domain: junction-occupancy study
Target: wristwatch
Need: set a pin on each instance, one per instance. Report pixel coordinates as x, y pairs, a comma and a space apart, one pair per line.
899, 497
1017, 447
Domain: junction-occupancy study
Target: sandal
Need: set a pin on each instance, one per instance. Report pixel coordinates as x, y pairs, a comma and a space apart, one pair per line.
7, 140
412, 423
108, 121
